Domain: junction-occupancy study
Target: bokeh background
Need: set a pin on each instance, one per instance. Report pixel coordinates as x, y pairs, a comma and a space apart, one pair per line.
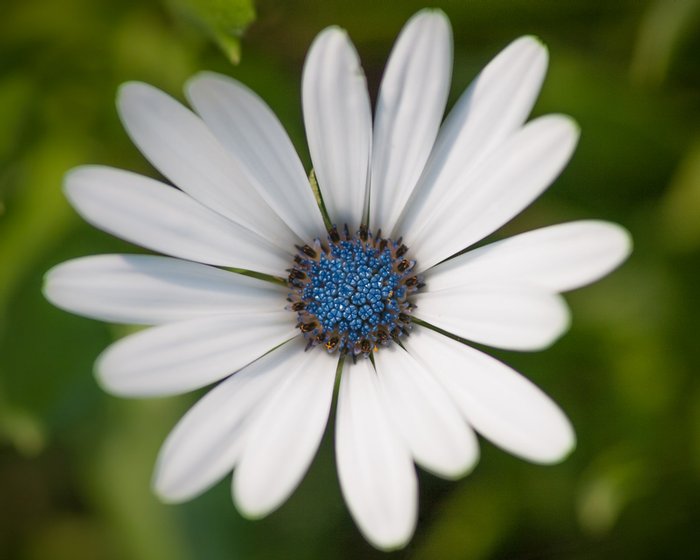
75, 463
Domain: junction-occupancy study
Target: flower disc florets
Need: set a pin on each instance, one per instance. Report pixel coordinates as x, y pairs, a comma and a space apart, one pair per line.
351, 293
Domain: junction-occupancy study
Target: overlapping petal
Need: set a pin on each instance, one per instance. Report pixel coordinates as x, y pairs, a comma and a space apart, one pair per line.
253, 135
376, 473
425, 415
159, 217
148, 290
513, 175
183, 149
208, 440
285, 433
494, 106
496, 400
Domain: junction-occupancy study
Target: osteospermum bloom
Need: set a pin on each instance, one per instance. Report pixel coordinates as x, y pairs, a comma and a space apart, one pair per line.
373, 293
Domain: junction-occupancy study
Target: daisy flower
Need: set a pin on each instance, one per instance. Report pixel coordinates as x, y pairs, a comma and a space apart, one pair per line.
272, 296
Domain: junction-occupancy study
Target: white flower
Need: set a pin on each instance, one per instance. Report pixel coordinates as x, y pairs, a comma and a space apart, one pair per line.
243, 201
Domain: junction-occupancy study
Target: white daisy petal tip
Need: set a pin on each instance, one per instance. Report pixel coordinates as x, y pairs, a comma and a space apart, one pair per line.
251, 503
432, 17
172, 482
535, 48
106, 373
561, 449
561, 323
430, 14
330, 34
619, 244
549, 327
336, 30
202, 75
74, 181
52, 286
601, 246
79, 184
530, 48
387, 536
391, 544
533, 40
456, 468
552, 448
168, 491
563, 128
455, 472
197, 81
48, 285
254, 502
248, 506
167, 481
132, 92
203, 80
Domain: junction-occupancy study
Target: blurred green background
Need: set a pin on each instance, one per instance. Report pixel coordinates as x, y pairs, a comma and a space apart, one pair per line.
75, 463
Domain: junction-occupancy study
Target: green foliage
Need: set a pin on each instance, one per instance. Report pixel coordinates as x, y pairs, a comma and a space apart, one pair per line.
223, 20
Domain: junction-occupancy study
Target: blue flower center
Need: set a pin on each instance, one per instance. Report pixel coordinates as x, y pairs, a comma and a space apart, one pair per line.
351, 293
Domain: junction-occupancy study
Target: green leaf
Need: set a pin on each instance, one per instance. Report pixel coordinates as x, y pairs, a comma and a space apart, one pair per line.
224, 21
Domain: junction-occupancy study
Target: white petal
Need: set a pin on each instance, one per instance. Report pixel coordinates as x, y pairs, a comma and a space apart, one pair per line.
557, 258
208, 440
513, 175
497, 401
183, 149
178, 357
410, 106
375, 469
253, 136
425, 415
494, 106
164, 219
506, 316
284, 435
338, 124
142, 289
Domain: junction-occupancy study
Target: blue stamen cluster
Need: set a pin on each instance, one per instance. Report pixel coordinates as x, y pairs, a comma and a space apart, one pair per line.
351, 293
351, 288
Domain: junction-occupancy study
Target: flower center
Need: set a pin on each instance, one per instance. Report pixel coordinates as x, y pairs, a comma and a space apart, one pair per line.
351, 293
